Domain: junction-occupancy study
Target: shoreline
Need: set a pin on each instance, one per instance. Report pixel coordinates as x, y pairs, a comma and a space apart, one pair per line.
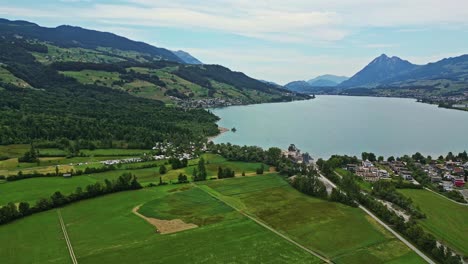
222, 130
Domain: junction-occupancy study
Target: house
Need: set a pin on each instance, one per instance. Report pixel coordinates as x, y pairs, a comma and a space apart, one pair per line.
458, 171
447, 185
407, 177
367, 164
352, 168
436, 179
459, 182
383, 174
465, 166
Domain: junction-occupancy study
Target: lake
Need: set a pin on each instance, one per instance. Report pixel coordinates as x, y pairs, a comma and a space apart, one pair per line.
348, 125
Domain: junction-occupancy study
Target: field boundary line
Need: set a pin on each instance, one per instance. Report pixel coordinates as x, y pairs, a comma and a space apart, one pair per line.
464, 204
67, 239
261, 223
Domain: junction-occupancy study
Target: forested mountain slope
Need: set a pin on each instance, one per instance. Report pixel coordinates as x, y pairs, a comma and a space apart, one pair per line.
108, 60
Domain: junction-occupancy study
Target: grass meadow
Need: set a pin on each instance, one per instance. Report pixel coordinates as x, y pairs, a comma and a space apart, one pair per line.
104, 230
342, 233
445, 219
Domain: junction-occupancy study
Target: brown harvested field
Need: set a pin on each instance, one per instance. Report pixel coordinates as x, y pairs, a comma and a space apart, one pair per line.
165, 226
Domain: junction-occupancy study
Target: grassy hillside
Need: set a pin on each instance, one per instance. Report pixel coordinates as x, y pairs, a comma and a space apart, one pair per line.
445, 219
148, 71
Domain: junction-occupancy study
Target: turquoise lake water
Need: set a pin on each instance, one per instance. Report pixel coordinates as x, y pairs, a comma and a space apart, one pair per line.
349, 125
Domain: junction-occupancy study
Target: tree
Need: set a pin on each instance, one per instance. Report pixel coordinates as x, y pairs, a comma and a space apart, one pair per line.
182, 178
380, 159
30, 156
450, 156
220, 173
201, 172
391, 159
162, 169
260, 170
23, 208
243, 173
58, 199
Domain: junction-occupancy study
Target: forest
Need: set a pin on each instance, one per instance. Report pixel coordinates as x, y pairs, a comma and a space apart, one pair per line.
60, 107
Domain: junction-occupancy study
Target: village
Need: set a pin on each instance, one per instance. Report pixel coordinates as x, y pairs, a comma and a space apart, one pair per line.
447, 176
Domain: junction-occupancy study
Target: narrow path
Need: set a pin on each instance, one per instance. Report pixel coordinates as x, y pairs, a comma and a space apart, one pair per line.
402, 239
261, 223
67, 239
464, 204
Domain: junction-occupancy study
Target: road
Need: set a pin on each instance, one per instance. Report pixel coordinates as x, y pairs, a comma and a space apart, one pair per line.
261, 223
67, 239
464, 204
402, 239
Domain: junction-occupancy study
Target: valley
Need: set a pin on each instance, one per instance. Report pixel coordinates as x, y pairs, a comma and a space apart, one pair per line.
117, 151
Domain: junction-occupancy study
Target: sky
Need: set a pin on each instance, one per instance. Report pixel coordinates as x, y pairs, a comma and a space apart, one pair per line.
273, 40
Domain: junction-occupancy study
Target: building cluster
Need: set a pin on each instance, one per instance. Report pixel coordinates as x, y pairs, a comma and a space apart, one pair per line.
295, 155
206, 102
368, 171
448, 175
121, 161
400, 169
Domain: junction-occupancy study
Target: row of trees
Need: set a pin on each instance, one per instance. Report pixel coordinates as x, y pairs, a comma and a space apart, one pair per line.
12, 212
386, 190
226, 173
271, 156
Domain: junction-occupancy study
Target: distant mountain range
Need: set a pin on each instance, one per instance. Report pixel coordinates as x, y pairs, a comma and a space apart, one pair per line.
322, 81
327, 80
444, 77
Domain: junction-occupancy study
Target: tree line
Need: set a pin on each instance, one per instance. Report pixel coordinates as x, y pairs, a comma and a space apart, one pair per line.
11, 211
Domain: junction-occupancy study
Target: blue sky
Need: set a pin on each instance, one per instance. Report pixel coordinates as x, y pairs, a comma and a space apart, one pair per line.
274, 40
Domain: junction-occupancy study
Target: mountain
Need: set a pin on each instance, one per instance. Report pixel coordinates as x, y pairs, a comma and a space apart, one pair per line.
298, 86
186, 57
379, 70
107, 60
453, 69
327, 80
76, 37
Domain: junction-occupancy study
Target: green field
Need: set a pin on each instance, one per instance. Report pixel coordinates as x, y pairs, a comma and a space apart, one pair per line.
8, 77
445, 219
344, 234
31, 190
113, 234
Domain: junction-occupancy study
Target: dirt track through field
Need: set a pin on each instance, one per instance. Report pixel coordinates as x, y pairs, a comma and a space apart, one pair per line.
67, 239
165, 226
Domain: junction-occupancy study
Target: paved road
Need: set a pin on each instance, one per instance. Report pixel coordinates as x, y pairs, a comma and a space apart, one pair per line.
316, 254
464, 204
67, 239
402, 239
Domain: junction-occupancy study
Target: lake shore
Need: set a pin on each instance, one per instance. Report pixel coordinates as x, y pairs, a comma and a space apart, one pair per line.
221, 131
